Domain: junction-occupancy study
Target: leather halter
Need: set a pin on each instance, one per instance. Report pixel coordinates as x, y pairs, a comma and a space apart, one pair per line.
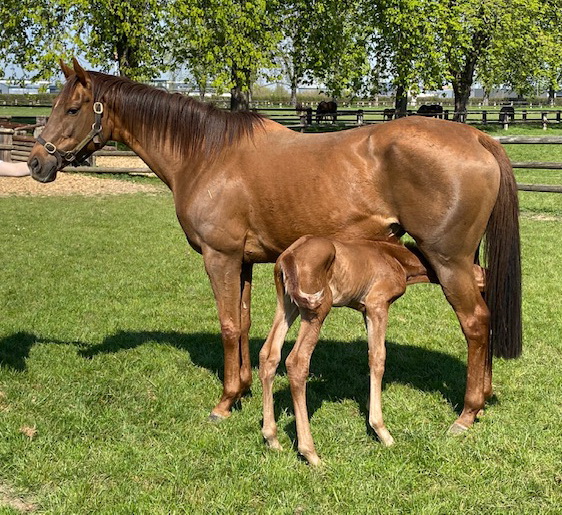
68, 156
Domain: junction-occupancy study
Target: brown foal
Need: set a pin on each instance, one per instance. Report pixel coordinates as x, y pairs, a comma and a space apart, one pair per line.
313, 275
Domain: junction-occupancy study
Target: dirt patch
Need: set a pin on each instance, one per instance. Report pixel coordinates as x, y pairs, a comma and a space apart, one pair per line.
9, 498
73, 184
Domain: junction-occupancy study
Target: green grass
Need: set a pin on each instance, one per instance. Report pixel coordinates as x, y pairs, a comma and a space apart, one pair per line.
110, 349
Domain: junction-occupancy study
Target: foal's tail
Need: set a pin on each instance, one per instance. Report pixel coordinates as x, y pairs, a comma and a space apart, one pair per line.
503, 257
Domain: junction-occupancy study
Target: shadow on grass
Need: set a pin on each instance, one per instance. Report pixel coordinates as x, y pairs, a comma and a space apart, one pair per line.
339, 370
14, 350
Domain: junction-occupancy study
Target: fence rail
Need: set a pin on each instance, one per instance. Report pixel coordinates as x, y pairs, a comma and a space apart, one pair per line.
299, 119
16, 147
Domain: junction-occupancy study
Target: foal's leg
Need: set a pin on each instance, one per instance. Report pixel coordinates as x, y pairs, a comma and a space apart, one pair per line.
225, 275
376, 319
270, 355
298, 364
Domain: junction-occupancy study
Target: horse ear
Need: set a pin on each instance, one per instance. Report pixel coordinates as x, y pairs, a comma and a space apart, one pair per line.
82, 74
67, 70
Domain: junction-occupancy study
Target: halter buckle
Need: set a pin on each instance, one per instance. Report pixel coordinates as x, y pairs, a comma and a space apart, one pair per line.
98, 107
50, 148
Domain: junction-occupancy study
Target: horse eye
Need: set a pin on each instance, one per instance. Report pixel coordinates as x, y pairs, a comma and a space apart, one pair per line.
73, 110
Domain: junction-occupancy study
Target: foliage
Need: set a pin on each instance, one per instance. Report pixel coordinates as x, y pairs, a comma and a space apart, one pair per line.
406, 42
125, 34
231, 41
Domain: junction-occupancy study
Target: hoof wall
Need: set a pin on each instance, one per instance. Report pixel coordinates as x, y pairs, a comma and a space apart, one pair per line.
457, 429
215, 418
274, 445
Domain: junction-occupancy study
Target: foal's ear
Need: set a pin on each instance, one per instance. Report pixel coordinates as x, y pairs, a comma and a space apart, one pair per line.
67, 70
82, 74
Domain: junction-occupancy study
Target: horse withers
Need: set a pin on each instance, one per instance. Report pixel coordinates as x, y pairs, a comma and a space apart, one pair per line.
245, 188
313, 275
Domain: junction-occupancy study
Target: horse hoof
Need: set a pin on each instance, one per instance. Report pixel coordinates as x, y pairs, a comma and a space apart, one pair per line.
215, 418
314, 460
274, 445
457, 429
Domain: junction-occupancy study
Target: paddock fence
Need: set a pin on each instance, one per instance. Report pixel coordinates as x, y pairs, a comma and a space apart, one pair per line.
16, 144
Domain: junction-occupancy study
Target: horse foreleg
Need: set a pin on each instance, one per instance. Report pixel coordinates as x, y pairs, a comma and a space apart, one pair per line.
225, 275
376, 319
270, 355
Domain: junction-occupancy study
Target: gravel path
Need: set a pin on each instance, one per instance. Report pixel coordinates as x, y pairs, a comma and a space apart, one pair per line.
75, 184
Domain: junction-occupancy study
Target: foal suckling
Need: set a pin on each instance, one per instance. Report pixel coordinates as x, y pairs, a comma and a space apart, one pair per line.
313, 275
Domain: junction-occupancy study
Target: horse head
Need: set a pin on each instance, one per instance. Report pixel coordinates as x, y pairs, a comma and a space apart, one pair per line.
74, 130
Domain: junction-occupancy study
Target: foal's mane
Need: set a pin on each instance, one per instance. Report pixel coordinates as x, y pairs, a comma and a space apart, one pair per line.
192, 127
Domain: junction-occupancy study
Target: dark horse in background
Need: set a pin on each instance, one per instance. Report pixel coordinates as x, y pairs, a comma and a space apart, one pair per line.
245, 188
507, 114
433, 110
327, 111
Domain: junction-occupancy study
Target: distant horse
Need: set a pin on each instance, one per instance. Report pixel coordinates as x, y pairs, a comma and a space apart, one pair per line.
327, 110
388, 114
434, 110
245, 188
313, 275
507, 114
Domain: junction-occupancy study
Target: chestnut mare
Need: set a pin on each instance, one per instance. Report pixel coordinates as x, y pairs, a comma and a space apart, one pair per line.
245, 188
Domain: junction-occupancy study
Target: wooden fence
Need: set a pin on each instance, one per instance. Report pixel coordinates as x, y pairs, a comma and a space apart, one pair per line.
300, 119
16, 146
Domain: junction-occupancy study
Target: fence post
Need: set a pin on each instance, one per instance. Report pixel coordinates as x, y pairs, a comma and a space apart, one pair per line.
6, 144
544, 121
360, 117
558, 116
446, 114
484, 117
302, 117
524, 115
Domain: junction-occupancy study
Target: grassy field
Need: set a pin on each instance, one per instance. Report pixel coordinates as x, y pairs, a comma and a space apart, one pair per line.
110, 361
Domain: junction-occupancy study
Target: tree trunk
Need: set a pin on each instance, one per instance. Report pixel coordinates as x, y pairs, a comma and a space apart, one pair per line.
294, 93
551, 96
401, 101
239, 100
462, 83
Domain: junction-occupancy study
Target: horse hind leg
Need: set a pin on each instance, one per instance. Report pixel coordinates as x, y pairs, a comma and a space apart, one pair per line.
245, 323
462, 292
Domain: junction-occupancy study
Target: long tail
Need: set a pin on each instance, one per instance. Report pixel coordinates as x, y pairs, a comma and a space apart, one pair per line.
502, 251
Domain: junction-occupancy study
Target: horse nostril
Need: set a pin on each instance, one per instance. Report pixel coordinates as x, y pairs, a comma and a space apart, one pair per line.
34, 164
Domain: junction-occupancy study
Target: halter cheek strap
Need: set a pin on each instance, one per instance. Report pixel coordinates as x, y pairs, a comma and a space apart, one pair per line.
68, 156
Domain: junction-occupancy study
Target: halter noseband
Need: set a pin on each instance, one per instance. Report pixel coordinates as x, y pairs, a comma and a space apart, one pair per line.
68, 156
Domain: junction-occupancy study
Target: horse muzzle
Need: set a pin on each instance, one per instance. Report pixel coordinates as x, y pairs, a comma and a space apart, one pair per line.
43, 167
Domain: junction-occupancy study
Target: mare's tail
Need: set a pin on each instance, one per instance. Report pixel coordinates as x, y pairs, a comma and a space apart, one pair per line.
503, 257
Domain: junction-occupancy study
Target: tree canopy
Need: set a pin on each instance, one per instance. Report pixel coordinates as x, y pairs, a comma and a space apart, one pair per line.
347, 46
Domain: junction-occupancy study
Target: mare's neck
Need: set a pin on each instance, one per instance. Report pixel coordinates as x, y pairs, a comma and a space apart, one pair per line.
159, 159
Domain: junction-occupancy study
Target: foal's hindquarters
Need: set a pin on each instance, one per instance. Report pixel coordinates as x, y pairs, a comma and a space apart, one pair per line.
313, 275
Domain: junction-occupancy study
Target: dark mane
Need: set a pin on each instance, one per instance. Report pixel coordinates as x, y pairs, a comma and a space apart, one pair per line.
155, 115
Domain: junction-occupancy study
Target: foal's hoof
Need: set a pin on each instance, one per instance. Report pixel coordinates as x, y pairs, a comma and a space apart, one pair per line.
274, 444
457, 429
215, 418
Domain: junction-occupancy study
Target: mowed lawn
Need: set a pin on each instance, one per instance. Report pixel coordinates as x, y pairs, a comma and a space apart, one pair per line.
111, 360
